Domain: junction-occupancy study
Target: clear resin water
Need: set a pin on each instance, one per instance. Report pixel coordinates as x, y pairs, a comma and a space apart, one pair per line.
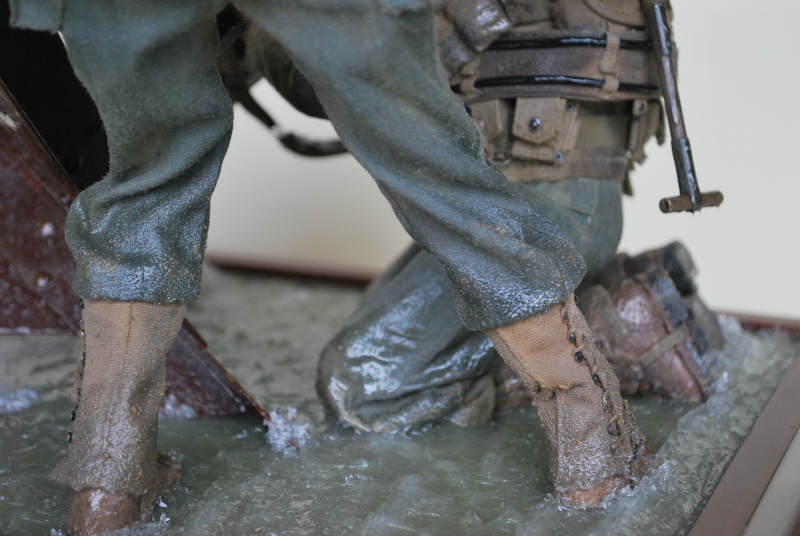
310, 475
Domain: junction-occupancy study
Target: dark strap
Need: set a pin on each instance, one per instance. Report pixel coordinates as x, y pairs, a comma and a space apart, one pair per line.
234, 82
565, 64
658, 349
230, 25
294, 142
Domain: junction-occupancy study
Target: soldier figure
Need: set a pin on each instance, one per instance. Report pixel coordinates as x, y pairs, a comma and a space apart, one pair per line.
511, 267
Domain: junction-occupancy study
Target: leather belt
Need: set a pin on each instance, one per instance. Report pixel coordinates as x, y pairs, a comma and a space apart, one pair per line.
563, 63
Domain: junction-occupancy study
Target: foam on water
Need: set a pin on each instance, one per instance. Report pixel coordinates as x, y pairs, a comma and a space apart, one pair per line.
16, 400
285, 433
156, 528
173, 407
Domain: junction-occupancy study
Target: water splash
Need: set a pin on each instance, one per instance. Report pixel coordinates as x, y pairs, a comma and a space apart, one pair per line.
175, 409
16, 400
157, 528
286, 433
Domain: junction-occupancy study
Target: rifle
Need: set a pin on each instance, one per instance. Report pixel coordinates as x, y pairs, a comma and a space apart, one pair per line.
691, 199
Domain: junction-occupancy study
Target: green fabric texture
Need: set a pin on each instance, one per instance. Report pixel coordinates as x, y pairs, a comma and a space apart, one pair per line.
37, 15
404, 360
139, 234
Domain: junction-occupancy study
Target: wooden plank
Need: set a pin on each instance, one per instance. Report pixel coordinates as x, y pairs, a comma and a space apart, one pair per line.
761, 323
33, 207
745, 480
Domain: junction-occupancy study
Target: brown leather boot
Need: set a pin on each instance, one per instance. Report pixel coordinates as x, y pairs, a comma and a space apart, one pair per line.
644, 328
674, 258
595, 446
96, 511
703, 324
111, 459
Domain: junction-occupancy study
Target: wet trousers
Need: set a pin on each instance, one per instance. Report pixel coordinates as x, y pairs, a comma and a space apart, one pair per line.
139, 234
403, 359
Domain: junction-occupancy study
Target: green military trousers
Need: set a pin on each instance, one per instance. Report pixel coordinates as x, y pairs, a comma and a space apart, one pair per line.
403, 359
139, 234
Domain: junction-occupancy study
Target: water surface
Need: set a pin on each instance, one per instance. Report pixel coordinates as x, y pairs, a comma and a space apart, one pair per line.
487, 480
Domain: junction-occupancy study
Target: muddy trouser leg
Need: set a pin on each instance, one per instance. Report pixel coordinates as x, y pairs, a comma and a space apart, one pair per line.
138, 235
404, 359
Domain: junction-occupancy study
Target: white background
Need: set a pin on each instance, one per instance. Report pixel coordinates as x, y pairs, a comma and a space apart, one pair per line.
739, 77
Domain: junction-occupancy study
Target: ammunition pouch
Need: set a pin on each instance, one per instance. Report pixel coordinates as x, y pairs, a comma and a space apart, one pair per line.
553, 138
570, 91
465, 28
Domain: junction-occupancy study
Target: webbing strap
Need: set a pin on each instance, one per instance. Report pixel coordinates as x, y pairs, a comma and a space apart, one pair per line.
595, 162
566, 64
657, 350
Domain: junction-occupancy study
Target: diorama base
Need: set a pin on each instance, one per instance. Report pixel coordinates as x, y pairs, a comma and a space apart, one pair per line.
310, 475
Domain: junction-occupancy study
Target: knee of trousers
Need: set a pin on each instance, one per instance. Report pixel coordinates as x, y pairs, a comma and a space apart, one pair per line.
588, 211
599, 245
335, 385
352, 395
